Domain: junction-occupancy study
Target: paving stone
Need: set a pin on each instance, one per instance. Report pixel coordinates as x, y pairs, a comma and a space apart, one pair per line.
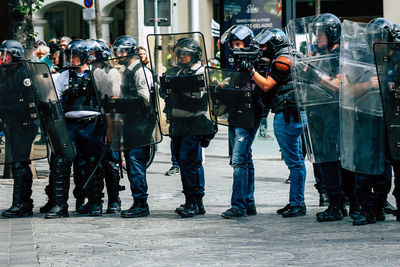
165, 239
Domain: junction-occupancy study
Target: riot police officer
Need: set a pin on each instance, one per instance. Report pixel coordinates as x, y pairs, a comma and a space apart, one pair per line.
20, 128
287, 124
86, 129
364, 125
327, 29
240, 37
99, 54
135, 82
186, 110
372, 190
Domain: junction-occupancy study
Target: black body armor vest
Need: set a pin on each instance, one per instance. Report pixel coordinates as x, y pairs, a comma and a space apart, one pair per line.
16, 96
80, 94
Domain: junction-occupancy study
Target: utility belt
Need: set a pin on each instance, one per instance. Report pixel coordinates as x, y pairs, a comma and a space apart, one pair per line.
85, 120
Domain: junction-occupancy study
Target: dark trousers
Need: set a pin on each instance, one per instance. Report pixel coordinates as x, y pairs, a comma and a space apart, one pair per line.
188, 153
330, 177
320, 178
136, 160
348, 179
373, 189
88, 143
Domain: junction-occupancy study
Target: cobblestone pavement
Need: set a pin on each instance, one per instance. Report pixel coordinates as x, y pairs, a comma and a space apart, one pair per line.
164, 239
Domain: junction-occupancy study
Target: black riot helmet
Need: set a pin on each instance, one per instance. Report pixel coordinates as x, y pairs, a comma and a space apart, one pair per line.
78, 47
124, 44
105, 50
275, 38
99, 50
188, 46
396, 28
14, 48
330, 25
380, 29
238, 32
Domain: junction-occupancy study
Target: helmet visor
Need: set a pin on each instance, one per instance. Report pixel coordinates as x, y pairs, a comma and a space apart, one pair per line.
263, 37
122, 50
239, 31
76, 57
185, 51
224, 37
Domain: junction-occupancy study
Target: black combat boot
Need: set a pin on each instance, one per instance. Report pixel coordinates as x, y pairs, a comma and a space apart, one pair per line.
22, 205
181, 207
295, 211
323, 200
190, 208
111, 174
354, 209
366, 216
60, 188
60, 207
113, 207
251, 210
80, 206
398, 209
379, 211
140, 208
95, 202
333, 212
200, 206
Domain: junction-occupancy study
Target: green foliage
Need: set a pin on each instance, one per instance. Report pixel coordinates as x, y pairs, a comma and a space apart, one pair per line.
34, 35
33, 5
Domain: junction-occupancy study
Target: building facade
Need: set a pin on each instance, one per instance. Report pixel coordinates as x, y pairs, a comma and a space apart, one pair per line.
59, 18
64, 18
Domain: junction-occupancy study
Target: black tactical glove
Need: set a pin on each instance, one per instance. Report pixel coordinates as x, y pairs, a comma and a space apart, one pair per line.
246, 66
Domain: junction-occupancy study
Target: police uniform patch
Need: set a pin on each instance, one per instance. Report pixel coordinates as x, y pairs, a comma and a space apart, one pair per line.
27, 82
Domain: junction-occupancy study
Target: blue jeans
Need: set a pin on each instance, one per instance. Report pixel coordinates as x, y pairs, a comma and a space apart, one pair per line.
289, 140
187, 151
136, 160
241, 140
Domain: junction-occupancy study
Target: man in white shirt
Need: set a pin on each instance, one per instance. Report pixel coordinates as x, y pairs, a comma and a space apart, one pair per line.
76, 92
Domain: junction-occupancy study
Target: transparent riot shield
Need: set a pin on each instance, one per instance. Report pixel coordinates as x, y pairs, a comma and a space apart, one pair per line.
178, 62
315, 72
50, 110
387, 59
231, 104
362, 140
122, 86
19, 117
